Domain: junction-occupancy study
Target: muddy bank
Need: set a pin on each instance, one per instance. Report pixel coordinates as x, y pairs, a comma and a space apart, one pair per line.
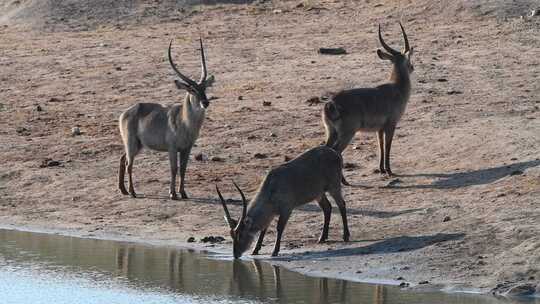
462, 211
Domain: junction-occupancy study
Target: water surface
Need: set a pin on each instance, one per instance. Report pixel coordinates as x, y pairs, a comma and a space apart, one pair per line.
44, 268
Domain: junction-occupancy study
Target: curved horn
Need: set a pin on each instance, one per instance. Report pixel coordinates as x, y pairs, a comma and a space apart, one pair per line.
184, 78
203, 63
407, 48
385, 46
227, 214
244, 204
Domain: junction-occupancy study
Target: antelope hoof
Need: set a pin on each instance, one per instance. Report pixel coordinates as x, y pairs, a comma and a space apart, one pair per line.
183, 194
133, 194
346, 237
380, 171
275, 253
322, 240
173, 196
255, 252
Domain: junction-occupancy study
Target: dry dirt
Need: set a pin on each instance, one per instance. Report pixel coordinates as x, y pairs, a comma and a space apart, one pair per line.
463, 210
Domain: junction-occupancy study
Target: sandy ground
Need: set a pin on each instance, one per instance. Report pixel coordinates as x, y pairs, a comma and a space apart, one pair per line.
462, 212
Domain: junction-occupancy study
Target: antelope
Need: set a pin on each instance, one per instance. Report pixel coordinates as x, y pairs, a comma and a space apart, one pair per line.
377, 109
304, 179
168, 129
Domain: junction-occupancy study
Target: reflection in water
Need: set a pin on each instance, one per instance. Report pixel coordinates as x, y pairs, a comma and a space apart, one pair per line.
194, 274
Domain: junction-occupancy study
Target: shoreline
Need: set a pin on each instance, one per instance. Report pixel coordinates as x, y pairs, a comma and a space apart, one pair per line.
204, 249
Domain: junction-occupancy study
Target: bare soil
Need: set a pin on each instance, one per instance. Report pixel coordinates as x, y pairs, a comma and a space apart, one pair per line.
462, 212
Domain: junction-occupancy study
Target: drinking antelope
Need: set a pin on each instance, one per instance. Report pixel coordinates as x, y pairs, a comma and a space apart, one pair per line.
169, 129
304, 179
376, 109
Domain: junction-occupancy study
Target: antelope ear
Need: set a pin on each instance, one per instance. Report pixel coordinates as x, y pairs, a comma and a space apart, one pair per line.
384, 56
209, 81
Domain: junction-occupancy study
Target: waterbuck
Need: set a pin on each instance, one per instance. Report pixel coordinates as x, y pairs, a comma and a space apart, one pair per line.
299, 181
377, 109
169, 129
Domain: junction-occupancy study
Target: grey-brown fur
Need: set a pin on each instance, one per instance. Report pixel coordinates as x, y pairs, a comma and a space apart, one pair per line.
297, 182
377, 109
168, 129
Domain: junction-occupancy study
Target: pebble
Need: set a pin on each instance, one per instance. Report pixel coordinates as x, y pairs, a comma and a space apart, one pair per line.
266, 103
199, 157
75, 131
447, 219
216, 159
212, 239
260, 156
191, 239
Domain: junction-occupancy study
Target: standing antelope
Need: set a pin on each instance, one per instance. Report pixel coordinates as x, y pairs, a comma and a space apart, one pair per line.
372, 109
169, 129
299, 181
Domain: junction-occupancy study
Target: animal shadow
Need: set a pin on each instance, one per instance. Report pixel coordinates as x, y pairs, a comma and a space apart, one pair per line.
472, 178
391, 245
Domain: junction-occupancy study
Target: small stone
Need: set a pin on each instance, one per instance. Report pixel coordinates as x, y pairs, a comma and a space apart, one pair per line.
423, 282
49, 163
400, 279
272, 134
266, 103
481, 263
405, 268
39, 108
313, 101
118, 68
75, 131
442, 80
54, 99
22, 131
199, 157
349, 166
447, 219
286, 158
191, 239
454, 92
260, 156
359, 271
277, 11
240, 97
393, 182
332, 51
403, 284
212, 239
216, 159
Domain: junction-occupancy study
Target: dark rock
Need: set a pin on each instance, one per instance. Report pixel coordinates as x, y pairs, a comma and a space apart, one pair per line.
454, 92
240, 97
266, 103
212, 239
217, 159
272, 134
423, 282
442, 80
400, 278
199, 157
22, 131
286, 158
118, 68
332, 51
260, 156
447, 219
39, 108
49, 163
313, 101
403, 284
393, 182
191, 239
349, 166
